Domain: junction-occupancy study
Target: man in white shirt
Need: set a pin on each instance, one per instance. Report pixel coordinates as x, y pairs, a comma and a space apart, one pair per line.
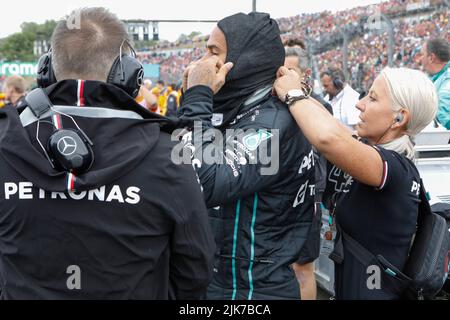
341, 96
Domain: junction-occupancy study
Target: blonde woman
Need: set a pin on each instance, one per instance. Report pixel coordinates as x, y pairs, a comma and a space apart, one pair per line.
376, 182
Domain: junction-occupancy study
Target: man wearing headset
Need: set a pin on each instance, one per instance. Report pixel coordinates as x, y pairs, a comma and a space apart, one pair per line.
341, 96
91, 205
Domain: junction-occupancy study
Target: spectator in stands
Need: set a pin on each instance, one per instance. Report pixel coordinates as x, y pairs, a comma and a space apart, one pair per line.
160, 92
172, 101
435, 59
2, 99
14, 89
160, 85
341, 96
147, 99
297, 59
148, 84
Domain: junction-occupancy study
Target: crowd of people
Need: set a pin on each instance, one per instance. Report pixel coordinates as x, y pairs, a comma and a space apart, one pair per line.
367, 51
367, 54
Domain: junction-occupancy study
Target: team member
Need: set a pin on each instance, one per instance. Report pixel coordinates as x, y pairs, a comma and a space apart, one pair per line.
121, 221
377, 196
341, 96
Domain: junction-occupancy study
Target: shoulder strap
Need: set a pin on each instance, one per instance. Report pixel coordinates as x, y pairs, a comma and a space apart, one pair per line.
364, 256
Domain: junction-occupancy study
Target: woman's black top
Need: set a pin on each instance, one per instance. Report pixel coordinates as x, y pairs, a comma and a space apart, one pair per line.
382, 219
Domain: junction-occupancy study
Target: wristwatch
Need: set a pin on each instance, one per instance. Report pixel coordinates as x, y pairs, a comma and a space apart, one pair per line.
294, 95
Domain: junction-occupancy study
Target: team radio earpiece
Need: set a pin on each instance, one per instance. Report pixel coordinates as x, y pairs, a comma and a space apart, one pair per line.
126, 71
67, 149
399, 118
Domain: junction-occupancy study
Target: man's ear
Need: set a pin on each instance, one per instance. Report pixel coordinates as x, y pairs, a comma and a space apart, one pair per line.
432, 58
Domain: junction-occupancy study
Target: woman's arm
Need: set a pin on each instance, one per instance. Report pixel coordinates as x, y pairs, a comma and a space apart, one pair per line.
329, 136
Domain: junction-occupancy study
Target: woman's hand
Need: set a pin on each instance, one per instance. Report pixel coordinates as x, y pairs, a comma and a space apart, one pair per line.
286, 80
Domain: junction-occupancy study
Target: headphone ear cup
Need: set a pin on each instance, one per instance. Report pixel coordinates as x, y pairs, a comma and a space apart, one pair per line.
70, 151
45, 74
115, 74
127, 73
337, 84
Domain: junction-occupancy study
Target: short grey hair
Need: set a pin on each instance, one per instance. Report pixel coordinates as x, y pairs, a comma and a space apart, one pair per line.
440, 48
89, 51
303, 57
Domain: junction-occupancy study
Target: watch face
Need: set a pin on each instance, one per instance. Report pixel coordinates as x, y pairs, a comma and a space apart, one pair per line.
295, 93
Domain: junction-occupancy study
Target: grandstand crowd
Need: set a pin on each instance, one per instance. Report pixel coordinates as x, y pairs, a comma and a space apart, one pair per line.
367, 50
322, 33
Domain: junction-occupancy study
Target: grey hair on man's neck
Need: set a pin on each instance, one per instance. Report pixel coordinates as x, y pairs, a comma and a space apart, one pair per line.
89, 51
303, 57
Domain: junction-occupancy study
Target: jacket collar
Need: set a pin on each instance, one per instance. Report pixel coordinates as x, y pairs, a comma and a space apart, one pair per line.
436, 76
95, 94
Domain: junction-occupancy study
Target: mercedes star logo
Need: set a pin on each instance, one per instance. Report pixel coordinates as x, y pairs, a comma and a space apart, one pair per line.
67, 145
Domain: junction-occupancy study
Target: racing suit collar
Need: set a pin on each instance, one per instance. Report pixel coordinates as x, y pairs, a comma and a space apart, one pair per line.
253, 102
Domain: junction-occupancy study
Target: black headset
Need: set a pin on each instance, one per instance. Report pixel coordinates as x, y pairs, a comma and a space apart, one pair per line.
126, 72
336, 77
45, 75
67, 149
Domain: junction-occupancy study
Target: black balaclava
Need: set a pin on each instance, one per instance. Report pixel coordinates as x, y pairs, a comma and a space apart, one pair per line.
255, 48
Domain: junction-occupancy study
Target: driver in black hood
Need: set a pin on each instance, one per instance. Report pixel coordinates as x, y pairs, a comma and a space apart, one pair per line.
261, 211
254, 46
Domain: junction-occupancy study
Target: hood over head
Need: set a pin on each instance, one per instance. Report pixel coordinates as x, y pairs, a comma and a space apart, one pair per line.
255, 48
